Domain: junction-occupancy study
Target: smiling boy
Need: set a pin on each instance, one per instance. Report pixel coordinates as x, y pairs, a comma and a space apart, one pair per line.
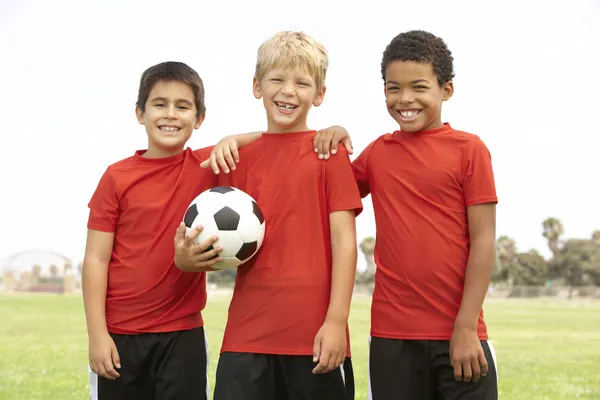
286, 335
434, 199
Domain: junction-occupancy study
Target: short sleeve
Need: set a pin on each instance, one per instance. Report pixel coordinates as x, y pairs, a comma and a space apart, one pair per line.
340, 184
479, 184
104, 205
359, 168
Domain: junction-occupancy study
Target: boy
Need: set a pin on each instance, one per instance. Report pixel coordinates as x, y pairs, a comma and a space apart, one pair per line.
286, 335
434, 199
146, 335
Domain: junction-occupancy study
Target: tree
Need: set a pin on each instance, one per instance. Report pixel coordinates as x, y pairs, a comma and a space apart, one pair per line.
530, 269
506, 250
367, 246
577, 263
553, 230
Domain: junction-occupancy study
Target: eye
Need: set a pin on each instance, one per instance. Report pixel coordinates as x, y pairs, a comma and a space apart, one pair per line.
392, 88
276, 80
305, 84
421, 87
159, 105
183, 107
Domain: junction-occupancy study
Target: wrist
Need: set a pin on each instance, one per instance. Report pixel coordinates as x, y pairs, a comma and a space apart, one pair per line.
465, 323
338, 319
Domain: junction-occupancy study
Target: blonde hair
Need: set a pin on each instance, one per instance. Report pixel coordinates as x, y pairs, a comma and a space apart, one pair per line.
291, 50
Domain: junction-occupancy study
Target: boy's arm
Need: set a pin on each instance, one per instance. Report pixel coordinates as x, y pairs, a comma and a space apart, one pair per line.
95, 277
103, 355
225, 154
330, 343
344, 254
466, 353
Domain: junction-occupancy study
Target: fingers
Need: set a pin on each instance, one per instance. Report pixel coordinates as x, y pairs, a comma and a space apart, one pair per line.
483, 363
476, 369
325, 144
467, 372
324, 361
205, 163
111, 373
458, 373
231, 155
180, 234
317, 348
348, 145
114, 355
191, 236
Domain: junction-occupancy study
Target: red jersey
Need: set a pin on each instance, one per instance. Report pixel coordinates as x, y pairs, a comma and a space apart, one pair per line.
281, 297
143, 201
421, 185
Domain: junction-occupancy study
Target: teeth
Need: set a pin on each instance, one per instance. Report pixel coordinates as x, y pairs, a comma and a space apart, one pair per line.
408, 114
168, 129
285, 106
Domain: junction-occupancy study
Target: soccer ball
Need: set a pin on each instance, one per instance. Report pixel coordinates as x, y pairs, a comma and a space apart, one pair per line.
233, 216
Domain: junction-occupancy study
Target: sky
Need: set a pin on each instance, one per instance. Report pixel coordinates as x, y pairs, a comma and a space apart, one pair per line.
526, 83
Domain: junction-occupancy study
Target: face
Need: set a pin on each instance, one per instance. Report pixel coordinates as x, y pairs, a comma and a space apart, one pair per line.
170, 118
413, 95
288, 94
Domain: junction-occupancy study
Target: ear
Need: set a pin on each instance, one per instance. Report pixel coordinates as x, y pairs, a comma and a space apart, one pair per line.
447, 90
139, 114
256, 88
199, 121
320, 97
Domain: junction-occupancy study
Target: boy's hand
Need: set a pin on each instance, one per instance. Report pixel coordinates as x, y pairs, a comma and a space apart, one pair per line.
193, 257
104, 357
225, 155
327, 140
329, 348
466, 355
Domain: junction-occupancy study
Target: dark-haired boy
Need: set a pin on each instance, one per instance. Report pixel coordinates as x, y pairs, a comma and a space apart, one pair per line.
145, 327
434, 200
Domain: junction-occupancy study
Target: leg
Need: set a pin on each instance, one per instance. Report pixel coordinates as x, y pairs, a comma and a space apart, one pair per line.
486, 388
181, 364
299, 383
245, 376
135, 382
400, 370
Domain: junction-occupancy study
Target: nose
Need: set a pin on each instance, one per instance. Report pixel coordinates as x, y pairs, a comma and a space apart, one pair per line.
406, 97
171, 112
287, 88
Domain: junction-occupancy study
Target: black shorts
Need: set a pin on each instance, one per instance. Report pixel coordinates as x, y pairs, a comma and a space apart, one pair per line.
421, 370
248, 376
157, 366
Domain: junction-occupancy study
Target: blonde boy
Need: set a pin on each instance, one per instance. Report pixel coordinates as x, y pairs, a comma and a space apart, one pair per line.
286, 335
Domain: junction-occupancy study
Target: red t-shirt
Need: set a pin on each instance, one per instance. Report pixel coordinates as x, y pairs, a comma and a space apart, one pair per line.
143, 200
421, 185
281, 297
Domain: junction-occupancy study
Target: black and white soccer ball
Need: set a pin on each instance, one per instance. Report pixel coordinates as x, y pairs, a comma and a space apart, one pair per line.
233, 216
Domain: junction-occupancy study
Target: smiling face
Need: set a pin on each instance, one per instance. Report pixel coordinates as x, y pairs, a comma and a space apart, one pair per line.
288, 94
413, 95
169, 117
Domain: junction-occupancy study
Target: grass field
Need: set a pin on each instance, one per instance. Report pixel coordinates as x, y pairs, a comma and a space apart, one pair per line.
546, 349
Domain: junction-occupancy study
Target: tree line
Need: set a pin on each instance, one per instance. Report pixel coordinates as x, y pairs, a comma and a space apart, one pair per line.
575, 263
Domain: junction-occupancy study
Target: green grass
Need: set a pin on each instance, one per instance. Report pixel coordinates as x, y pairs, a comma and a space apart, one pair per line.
546, 349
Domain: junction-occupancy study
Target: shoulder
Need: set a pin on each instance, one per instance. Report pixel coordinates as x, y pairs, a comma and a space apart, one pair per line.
201, 154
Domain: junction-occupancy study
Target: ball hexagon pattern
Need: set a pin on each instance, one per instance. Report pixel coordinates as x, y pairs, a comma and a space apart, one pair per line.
233, 216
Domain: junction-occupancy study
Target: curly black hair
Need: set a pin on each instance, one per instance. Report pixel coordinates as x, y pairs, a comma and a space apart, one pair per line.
423, 47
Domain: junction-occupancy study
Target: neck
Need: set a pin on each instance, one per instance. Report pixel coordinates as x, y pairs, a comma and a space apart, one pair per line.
155, 152
300, 126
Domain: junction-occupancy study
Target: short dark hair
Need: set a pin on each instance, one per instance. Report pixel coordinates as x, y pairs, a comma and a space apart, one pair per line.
422, 47
171, 71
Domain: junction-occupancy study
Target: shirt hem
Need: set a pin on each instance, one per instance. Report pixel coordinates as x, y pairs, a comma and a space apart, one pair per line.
166, 329
420, 337
270, 351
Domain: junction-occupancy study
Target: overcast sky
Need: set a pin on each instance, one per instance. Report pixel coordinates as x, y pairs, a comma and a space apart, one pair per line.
526, 83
